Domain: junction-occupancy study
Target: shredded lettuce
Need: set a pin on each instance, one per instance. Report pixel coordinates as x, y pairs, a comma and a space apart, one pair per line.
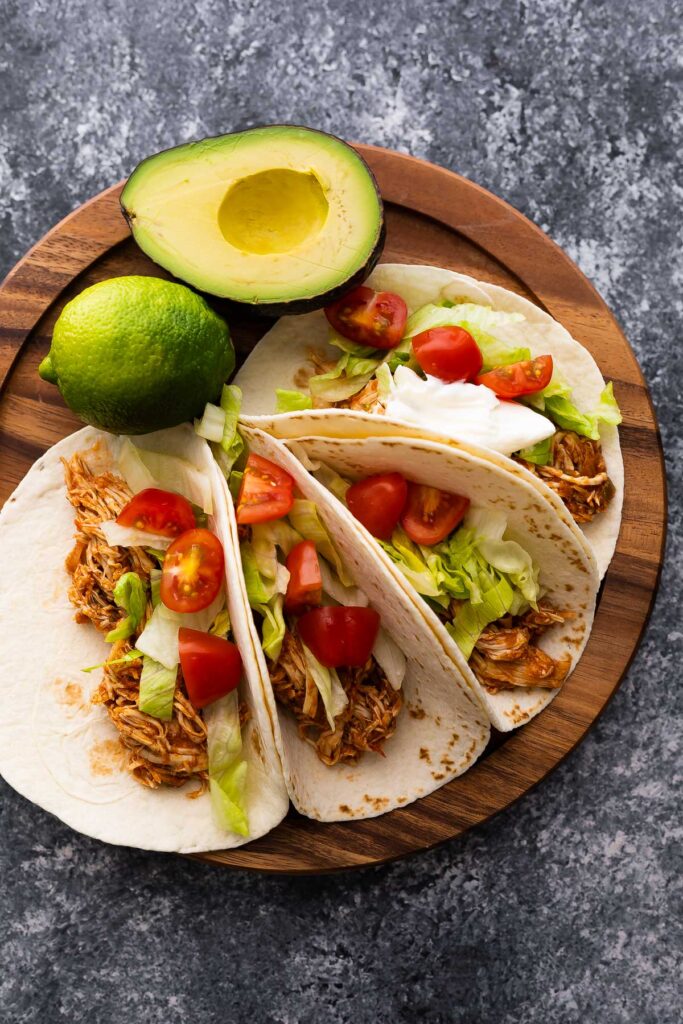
338, 591
227, 767
141, 468
329, 687
486, 574
305, 519
132, 655
344, 380
540, 454
234, 483
555, 401
157, 689
482, 322
130, 537
230, 445
292, 401
384, 381
330, 479
129, 594
210, 426
221, 624
159, 638
155, 586
273, 627
156, 553
259, 589
390, 658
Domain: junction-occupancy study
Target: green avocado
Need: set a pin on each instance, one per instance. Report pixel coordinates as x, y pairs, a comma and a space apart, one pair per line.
282, 218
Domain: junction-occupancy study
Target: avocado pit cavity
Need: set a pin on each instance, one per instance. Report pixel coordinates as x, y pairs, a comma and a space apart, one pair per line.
274, 211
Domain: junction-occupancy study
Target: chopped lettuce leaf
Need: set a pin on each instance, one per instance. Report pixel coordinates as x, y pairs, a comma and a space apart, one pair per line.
156, 553
221, 624
540, 454
328, 685
259, 590
155, 586
481, 317
130, 537
305, 519
141, 468
129, 594
234, 483
132, 655
273, 627
352, 348
157, 689
344, 380
230, 445
159, 638
495, 352
340, 593
486, 574
330, 479
227, 767
390, 658
211, 425
292, 401
384, 381
556, 402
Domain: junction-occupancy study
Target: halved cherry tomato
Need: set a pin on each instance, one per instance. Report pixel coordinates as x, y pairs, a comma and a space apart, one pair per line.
266, 492
340, 634
449, 353
305, 587
519, 378
369, 318
157, 511
192, 572
431, 514
211, 665
377, 502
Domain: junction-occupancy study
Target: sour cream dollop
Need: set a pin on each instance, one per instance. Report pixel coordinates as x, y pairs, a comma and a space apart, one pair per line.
465, 412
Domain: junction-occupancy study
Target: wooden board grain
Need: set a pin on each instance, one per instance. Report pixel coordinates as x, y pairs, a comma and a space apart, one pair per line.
433, 216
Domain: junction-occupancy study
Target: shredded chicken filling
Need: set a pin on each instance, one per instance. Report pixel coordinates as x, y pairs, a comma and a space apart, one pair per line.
160, 753
506, 656
367, 721
577, 473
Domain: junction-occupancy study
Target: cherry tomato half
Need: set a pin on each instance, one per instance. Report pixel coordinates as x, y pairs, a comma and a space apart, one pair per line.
305, 587
431, 514
157, 511
449, 353
367, 317
192, 572
519, 378
266, 492
211, 665
377, 502
340, 634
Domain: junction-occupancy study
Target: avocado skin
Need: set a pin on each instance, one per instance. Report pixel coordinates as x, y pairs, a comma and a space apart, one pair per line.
291, 307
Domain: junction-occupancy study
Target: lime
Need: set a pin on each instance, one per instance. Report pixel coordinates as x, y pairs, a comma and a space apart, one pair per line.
135, 354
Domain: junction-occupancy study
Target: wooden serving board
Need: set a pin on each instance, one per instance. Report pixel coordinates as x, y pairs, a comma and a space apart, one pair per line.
437, 217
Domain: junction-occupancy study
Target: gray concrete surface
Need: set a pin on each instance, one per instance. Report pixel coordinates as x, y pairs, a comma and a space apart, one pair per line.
567, 907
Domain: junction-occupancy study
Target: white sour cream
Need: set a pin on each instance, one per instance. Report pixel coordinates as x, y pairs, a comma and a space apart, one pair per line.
465, 412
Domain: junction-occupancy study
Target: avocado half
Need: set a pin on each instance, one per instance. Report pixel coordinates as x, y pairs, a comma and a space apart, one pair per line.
283, 218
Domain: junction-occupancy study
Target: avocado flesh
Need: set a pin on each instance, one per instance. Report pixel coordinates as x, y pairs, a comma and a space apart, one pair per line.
281, 217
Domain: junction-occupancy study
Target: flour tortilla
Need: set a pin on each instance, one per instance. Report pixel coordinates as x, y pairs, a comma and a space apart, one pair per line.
441, 730
59, 750
567, 572
279, 357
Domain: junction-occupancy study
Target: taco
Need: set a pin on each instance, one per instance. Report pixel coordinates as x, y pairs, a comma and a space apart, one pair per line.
371, 711
505, 586
425, 351
130, 699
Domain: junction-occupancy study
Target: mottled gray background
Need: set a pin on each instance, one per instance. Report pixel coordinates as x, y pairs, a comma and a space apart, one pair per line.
565, 907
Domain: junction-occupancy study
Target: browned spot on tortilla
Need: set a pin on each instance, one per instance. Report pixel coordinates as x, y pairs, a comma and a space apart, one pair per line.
256, 743
107, 757
438, 776
424, 755
344, 809
437, 720
454, 739
446, 762
418, 713
402, 800
376, 802
569, 587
